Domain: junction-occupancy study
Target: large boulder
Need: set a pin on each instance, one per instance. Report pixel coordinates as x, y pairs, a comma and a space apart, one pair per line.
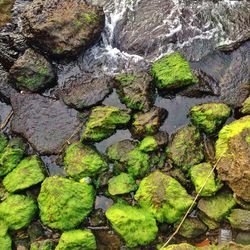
62, 27
240, 219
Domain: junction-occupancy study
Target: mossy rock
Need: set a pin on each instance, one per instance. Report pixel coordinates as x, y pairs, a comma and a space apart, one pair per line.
163, 196
3, 142
17, 211
5, 240
209, 117
29, 172
64, 203
240, 219
245, 110
42, 245
135, 225
172, 72
181, 246
103, 122
199, 174
83, 161
212, 224
77, 240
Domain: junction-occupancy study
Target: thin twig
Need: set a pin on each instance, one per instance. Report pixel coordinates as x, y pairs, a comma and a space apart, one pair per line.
6, 121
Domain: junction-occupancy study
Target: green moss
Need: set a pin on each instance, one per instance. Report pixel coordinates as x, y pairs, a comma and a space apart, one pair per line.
240, 219
17, 211
3, 142
182, 246
247, 139
103, 122
246, 107
42, 245
136, 226
82, 161
172, 71
29, 172
5, 240
64, 203
163, 196
209, 117
148, 144
77, 240
199, 174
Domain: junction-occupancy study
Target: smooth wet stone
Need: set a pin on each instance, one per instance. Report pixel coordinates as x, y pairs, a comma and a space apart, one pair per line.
107, 239
5, 11
32, 72
17, 211
47, 124
240, 219
163, 196
218, 206
5, 240
135, 90
245, 110
186, 147
83, 161
135, 225
64, 203
62, 27
103, 122
42, 245
209, 117
148, 123
29, 172
77, 239
233, 150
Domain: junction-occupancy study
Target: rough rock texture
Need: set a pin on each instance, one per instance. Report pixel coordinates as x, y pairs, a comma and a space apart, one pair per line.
135, 90
209, 117
77, 239
181, 246
5, 11
232, 147
83, 161
42, 245
103, 122
212, 224
17, 211
136, 226
148, 123
64, 203
245, 110
31, 71
163, 196
186, 147
46, 123
243, 238
62, 27
30, 171
240, 219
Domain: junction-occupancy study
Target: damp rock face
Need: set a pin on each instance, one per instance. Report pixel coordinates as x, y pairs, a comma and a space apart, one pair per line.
240, 219
46, 123
163, 196
64, 203
135, 225
245, 110
62, 27
31, 71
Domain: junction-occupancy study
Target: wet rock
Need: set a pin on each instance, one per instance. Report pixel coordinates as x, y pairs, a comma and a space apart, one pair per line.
148, 123
77, 239
5, 240
199, 174
217, 207
232, 148
97, 218
62, 27
83, 161
181, 246
240, 219
135, 225
46, 123
42, 245
243, 238
17, 211
29, 172
135, 90
209, 117
64, 203
5, 11
245, 110
107, 239
32, 72
186, 147
103, 122
163, 196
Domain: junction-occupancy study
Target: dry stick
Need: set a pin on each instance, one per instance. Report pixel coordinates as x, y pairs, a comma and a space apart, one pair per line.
6, 121
193, 203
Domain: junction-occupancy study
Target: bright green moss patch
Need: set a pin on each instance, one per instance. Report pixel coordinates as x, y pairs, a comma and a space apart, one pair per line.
5, 240
246, 107
135, 225
42, 245
172, 71
148, 144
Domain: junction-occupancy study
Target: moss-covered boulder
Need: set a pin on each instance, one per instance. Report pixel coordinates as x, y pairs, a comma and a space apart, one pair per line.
199, 174
135, 90
240, 219
103, 122
83, 161
17, 211
212, 224
64, 203
121, 184
181, 246
135, 225
186, 147
218, 206
3, 142
245, 110
5, 240
76, 240
172, 72
163, 196
42, 245
11, 155
209, 117
30, 171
